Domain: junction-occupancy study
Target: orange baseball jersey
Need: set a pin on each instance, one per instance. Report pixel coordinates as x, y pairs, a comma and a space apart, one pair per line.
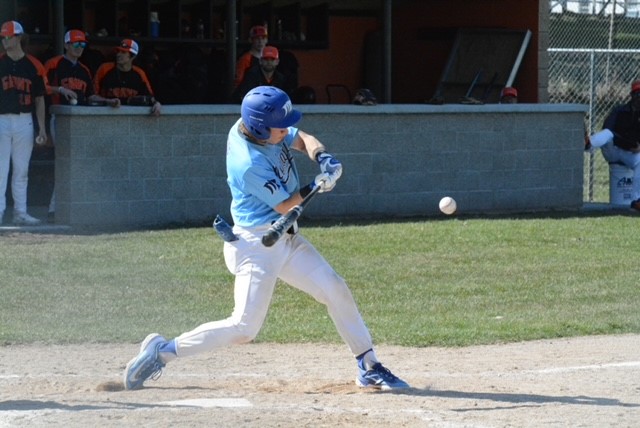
245, 63
113, 83
77, 77
22, 81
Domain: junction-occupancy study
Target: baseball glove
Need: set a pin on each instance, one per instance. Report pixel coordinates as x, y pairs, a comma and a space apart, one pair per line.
364, 97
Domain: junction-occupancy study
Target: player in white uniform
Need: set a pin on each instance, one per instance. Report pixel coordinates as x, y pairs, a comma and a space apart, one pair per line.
264, 184
21, 98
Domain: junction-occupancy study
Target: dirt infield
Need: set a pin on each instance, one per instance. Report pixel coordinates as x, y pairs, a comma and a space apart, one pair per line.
583, 382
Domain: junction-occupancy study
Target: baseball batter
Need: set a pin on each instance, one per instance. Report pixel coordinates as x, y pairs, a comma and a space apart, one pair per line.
264, 184
22, 93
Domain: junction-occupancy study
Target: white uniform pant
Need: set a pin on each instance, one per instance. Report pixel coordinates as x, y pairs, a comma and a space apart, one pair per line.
52, 134
613, 153
16, 144
256, 268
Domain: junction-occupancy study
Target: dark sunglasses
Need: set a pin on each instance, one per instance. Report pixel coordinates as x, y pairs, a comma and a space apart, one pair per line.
7, 37
79, 44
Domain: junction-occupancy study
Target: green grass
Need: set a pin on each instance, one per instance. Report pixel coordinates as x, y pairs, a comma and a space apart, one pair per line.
449, 282
596, 180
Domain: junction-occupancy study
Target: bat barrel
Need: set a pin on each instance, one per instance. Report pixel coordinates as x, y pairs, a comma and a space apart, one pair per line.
270, 238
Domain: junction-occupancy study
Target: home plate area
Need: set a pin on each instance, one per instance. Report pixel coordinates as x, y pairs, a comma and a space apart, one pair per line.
209, 402
587, 381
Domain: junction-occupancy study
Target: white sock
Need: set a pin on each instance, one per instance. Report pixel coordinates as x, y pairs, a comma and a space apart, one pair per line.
369, 359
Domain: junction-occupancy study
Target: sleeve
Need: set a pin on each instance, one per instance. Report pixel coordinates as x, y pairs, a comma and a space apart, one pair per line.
40, 83
250, 80
97, 81
146, 88
291, 136
264, 185
601, 138
242, 65
50, 71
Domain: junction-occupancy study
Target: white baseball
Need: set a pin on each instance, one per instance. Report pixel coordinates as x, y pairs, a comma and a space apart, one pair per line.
448, 205
73, 101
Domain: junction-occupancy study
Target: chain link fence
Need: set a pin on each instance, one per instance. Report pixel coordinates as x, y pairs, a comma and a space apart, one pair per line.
593, 58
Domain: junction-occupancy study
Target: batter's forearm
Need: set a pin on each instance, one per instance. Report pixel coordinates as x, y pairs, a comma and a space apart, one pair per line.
284, 206
309, 144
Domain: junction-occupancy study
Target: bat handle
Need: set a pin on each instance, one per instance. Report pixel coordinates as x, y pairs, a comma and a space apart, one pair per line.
280, 227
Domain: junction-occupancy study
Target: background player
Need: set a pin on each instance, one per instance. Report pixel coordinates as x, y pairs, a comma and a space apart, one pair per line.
259, 37
264, 184
68, 78
70, 83
21, 94
620, 139
265, 74
123, 80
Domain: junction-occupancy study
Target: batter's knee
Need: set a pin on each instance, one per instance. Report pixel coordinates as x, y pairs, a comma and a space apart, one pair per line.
331, 287
241, 339
245, 333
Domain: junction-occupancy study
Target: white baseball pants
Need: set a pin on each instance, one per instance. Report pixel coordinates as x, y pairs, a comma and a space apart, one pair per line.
613, 153
256, 268
16, 144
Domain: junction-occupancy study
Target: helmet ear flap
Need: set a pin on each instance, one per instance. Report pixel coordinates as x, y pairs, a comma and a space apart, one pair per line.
260, 131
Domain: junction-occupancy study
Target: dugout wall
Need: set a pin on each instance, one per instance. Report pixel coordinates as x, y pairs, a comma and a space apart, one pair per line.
399, 160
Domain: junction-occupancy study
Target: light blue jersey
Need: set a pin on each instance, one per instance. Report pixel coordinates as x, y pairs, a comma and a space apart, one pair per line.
259, 177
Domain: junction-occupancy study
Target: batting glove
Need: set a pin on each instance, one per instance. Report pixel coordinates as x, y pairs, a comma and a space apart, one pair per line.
325, 181
329, 164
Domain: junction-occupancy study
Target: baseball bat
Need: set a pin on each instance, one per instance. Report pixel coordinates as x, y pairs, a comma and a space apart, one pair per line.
473, 83
285, 221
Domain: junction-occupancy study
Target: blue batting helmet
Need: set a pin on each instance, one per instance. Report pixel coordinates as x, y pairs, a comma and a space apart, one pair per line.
266, 107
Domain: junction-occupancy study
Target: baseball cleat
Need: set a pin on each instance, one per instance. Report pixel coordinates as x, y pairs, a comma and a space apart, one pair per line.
146, 364
379, 377
24, 219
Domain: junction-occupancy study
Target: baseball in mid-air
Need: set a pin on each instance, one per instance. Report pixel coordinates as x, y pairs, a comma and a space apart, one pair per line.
73, 101
448, 205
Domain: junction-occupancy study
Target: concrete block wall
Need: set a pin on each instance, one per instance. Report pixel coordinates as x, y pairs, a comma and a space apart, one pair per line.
124, 167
